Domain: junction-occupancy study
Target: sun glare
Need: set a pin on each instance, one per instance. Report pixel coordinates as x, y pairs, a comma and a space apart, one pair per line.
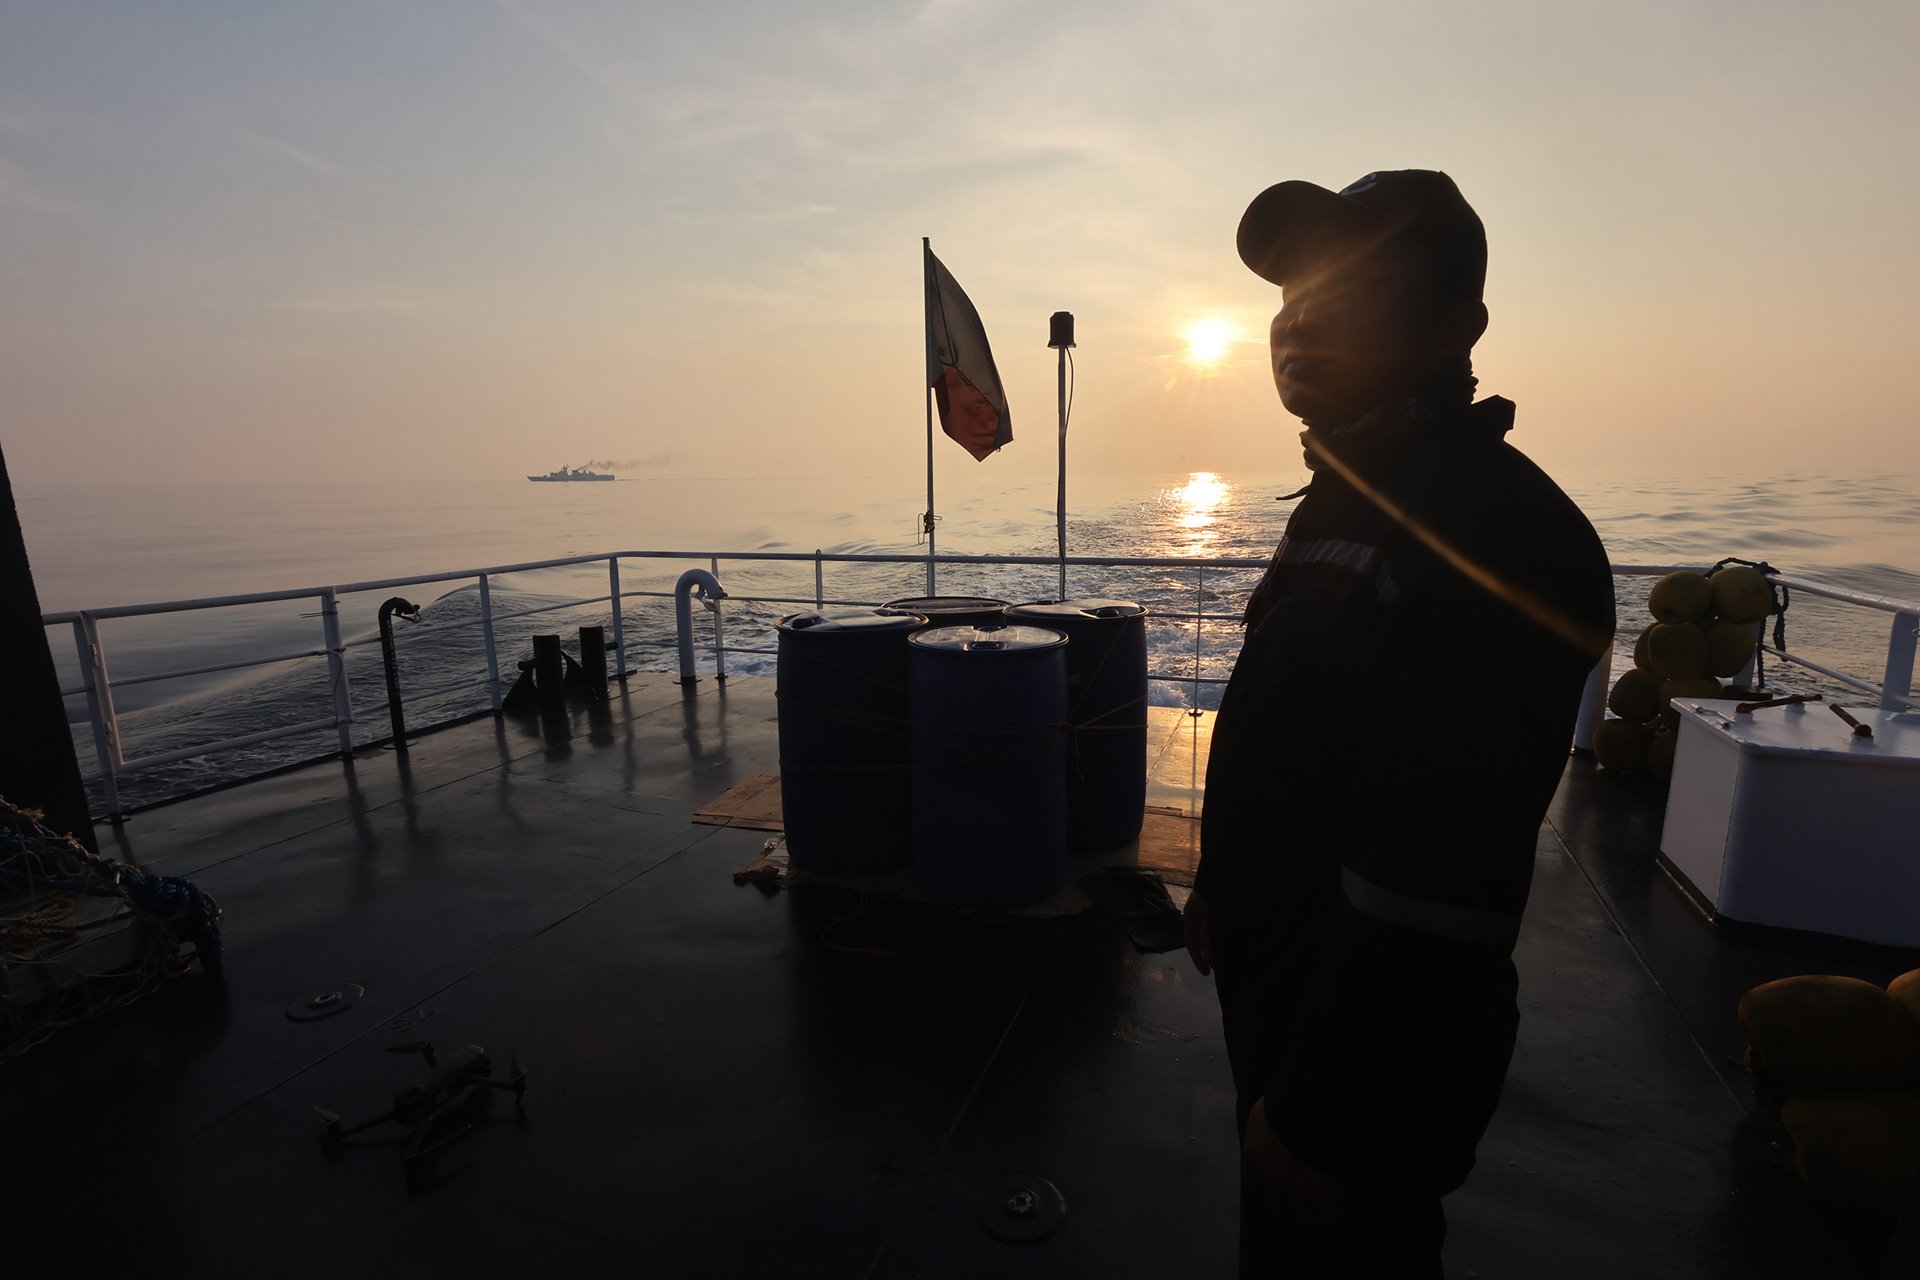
1202, 492
1195, 502
1208, 339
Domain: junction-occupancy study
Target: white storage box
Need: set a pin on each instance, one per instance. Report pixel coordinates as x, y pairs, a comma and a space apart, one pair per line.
1786, 817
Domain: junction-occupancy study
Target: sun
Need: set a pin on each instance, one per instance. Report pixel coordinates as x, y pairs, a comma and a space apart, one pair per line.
1208, 339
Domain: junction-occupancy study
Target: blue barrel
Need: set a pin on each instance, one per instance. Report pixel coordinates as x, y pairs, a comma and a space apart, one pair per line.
845, 752
989, 763
1106, 715
955, 611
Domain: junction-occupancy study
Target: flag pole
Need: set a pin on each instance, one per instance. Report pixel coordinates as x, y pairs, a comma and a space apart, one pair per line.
928, 520
1060, 337
926, 391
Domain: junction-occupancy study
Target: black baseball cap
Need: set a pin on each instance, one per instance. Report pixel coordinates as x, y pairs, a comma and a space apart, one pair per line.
1296, 226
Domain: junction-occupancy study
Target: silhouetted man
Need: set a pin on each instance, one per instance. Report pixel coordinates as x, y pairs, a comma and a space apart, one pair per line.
1395, 727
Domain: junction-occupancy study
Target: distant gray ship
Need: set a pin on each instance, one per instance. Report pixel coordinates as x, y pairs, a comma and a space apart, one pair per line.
568, 473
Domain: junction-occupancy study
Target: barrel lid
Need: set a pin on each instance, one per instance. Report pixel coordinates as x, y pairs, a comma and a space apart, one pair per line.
933, 606
1088, 607
986, 639
816, 621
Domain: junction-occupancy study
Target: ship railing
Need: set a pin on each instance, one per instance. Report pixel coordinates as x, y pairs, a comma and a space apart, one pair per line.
97, 684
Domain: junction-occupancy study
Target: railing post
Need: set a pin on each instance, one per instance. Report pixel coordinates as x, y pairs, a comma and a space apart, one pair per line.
819, 582
1897, 685
619, 629
337, 670
486, 632
106, 726
719, 630
1743, 678
1593, 702
1199, 607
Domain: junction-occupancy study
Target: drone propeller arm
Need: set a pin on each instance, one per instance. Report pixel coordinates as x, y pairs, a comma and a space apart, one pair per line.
515, 1083
334, 1133
422, 1047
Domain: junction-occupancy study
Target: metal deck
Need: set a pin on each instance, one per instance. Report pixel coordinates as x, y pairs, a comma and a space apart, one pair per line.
727, 1082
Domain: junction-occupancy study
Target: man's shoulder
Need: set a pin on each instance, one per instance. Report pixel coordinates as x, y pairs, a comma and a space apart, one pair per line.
1505, 494
1493, 514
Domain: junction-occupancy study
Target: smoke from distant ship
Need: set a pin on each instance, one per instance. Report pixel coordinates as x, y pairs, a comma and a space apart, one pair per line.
629, 464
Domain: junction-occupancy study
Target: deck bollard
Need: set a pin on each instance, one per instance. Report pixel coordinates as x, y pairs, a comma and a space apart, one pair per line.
549, 669
593, 660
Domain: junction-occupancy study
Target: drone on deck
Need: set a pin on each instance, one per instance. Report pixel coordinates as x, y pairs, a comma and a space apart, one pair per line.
438, 1111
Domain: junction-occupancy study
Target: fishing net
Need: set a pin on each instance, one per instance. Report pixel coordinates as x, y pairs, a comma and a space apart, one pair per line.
81, 934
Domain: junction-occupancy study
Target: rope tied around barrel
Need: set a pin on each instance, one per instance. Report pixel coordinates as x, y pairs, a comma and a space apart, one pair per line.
1074, 729
1019, 733
1781, 597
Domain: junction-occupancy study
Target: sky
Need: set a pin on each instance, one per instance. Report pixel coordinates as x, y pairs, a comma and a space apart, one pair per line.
471, 240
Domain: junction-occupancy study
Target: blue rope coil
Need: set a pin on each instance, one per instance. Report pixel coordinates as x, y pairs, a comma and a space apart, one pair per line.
167, 898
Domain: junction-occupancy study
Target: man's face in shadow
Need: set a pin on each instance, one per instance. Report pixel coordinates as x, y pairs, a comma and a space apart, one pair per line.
1361, 330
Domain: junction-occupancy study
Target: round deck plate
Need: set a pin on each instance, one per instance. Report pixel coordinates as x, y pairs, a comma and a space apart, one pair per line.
325, 1003
1021, 1208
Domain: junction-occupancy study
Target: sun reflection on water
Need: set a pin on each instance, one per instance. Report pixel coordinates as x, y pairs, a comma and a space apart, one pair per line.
1194, 506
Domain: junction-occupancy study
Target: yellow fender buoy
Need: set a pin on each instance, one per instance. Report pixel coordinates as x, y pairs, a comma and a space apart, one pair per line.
1823, 1033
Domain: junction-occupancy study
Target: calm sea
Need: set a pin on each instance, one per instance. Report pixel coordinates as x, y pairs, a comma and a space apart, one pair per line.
101, 545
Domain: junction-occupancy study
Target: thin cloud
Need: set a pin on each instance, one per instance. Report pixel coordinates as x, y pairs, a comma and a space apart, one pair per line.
797, 212
305, 159
360, 301
579, 58
21, 190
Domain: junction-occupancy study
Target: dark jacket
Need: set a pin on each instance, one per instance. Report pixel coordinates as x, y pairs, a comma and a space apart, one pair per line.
1396, 724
